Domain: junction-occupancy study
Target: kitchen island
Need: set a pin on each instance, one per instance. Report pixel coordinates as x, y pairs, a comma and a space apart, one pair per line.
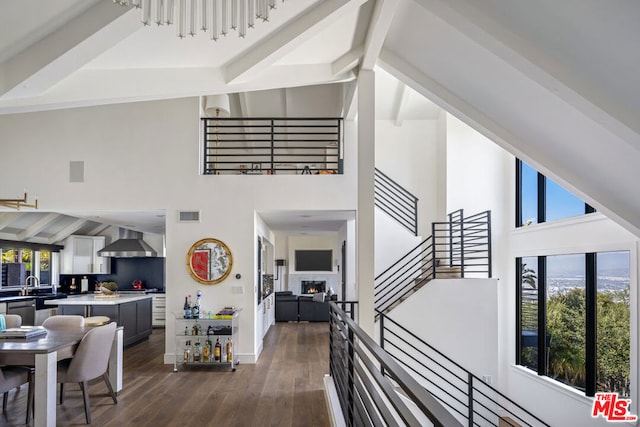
132, 312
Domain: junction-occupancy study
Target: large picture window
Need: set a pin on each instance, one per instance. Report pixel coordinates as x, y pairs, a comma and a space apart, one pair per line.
581, 303
539, 199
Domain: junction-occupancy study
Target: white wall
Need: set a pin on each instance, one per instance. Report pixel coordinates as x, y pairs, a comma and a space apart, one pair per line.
143, 156
408, 155
460, 318
393, 241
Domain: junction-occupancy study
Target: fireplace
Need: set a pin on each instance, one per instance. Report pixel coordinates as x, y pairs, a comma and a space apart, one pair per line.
313, 286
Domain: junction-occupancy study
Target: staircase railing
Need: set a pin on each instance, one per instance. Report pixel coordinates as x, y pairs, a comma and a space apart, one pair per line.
461, 245
367, 397
471, 400
396, 201
270, 146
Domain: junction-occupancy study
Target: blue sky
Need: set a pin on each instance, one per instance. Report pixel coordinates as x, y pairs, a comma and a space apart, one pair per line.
560, 202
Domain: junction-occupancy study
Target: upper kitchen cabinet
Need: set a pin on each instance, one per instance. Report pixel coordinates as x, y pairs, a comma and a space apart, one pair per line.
80, 256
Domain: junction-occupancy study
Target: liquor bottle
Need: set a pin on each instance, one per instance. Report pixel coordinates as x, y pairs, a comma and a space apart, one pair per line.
197, 309
217, 352
206, 351
187, 351
196, 352
187, 308
186, 330
229, 352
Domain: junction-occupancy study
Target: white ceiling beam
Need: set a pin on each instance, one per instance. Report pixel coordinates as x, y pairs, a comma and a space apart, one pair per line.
5, 219
348, 61
97, 87
401, 100
98, 229
50, 60
291, 36
37, 226
67, 231
379, 25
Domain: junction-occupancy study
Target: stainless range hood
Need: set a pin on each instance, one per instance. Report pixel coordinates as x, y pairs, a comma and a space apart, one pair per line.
129, 245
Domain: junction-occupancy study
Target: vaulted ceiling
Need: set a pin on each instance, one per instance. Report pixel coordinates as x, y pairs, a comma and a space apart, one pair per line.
556, 83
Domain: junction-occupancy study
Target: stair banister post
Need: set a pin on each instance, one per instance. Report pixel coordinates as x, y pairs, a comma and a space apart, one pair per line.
470, 396
462, 229
382, 337
489, 243
350, 370
433, 250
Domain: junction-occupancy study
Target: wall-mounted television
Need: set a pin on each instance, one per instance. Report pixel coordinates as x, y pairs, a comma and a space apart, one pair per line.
314, 260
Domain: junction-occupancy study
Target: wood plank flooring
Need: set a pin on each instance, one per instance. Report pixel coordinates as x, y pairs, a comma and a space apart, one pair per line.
283, 389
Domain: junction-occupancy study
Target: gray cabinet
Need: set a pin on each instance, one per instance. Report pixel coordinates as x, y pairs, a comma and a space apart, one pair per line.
134, 317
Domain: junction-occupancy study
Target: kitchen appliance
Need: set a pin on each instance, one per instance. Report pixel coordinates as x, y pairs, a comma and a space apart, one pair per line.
129, 245
25, 309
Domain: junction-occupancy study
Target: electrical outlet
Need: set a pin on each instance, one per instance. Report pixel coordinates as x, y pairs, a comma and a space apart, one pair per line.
486, 379
237, 290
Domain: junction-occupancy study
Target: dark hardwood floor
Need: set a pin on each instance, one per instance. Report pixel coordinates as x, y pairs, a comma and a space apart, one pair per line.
283, 389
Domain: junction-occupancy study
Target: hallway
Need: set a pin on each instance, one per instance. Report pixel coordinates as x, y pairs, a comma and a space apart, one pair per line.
283, 389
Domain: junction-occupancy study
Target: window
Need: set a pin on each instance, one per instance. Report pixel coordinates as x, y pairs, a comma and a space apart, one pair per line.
581, 302
35, 262
539, 199
613, 323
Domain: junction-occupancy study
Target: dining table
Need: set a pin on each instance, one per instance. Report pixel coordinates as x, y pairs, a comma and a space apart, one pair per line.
43, 353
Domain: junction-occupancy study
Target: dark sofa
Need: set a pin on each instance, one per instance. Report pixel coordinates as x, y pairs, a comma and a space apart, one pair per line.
294, 308
286, 307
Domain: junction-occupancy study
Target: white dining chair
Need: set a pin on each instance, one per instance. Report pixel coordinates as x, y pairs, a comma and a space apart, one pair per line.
12, 320
91, 360
11, 375
64, 322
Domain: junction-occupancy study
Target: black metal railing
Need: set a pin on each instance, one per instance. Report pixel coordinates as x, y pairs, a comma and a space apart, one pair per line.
471, 400
396, 201
367, 397
460, 247
268, 146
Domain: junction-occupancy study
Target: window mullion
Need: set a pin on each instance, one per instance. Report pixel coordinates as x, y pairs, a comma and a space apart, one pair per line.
519, 311
518, 193
542, 198
591, 296
542, 316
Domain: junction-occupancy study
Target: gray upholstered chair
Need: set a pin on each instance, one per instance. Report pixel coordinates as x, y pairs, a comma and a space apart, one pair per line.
10, 378
64, 322
90, 361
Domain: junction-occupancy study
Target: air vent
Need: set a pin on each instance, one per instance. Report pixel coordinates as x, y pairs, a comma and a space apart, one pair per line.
189, 216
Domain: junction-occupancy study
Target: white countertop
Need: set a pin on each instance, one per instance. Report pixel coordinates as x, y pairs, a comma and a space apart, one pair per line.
94, 300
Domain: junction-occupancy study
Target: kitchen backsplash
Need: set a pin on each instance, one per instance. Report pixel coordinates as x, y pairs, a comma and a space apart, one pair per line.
124, 271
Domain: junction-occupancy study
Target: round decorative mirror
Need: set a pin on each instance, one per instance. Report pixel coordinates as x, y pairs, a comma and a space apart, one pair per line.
209, 261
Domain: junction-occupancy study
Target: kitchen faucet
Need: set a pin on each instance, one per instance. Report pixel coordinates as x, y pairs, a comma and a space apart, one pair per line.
25, 290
